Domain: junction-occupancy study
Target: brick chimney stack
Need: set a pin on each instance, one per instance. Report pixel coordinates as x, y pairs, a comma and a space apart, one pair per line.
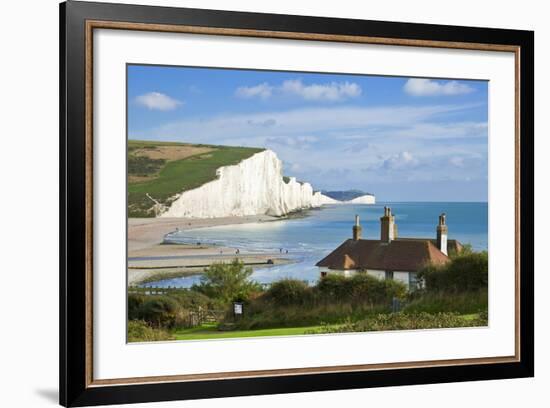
357, 229
442, 232
388, 228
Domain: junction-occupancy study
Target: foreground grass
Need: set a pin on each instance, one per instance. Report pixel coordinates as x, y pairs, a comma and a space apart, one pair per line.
211, 332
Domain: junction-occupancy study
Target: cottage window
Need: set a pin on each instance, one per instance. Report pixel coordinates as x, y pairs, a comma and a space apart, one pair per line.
389, 275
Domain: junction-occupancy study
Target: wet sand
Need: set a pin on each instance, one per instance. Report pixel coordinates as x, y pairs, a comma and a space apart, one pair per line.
148, 258
144, 233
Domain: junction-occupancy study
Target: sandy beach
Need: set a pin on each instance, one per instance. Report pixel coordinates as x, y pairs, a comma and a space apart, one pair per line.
149, 259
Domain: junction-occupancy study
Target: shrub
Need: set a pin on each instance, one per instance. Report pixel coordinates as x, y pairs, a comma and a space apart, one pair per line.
289, 292
465, 272
134, 304
190, 299
267, 315
374, 290
172, 309
335, 288
361, 288
335, 299
138, 330
159, 311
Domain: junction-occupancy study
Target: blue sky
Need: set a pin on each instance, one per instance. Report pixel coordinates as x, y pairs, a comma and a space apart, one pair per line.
403, 139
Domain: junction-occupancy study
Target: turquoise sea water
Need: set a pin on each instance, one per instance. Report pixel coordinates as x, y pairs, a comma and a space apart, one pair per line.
312, 237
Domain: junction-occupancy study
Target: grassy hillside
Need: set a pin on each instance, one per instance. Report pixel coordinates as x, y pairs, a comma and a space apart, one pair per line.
345, 195
163, 169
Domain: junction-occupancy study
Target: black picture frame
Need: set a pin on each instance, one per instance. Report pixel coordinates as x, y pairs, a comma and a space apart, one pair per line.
75, 389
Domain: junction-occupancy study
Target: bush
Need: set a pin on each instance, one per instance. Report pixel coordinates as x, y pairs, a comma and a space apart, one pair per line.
361, 288
190, 299
335, 288
159, 311
466, 272
289, 292
138, 330
134, 304
267, 315
335, 299
374, 290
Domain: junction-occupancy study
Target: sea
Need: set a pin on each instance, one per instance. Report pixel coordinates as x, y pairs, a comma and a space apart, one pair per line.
309, 238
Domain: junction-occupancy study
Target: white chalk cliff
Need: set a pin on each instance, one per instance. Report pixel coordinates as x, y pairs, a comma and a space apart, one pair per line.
364, 199
255, 186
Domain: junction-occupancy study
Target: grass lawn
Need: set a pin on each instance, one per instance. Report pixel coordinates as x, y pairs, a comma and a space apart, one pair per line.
210, 332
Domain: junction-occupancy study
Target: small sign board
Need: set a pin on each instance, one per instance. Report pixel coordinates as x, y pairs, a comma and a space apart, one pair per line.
238, 308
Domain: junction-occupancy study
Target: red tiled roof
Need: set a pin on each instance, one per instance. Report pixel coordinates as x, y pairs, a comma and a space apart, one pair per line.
398, 255
452, 244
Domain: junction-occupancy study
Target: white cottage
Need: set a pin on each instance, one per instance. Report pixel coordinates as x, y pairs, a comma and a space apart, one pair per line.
389, 257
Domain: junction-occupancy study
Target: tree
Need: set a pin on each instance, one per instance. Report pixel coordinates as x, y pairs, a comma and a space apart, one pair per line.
227, 281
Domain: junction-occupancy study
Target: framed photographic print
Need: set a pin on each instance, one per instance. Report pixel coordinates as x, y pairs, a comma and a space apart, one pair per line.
256, 203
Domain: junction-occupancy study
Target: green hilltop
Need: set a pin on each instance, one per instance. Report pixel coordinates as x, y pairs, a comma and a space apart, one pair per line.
164, 169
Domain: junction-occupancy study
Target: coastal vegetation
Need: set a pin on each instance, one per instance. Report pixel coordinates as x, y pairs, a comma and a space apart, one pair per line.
161, 170
346, 195
227, 282
405, 321
468, 271
141, 331
454, 295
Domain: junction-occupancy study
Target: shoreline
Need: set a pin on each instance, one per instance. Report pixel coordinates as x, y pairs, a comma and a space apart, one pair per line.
144, 233
150, 260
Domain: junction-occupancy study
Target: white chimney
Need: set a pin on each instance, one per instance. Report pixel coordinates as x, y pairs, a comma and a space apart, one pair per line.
442, 232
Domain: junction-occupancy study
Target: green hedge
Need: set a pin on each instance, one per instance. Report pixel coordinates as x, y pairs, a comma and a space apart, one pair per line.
468, 272
405, 321
360, 288
289, 292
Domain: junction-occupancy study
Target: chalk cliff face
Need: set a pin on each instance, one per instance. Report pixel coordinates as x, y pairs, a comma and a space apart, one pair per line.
254, 186
365, 199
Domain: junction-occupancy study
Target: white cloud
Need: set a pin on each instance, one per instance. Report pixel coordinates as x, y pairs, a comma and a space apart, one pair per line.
262, 91
393, 141
299, 141
264, 123
157, 101
305, 121
328, 92
457, 161
428, 87
402, 160
343, 124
